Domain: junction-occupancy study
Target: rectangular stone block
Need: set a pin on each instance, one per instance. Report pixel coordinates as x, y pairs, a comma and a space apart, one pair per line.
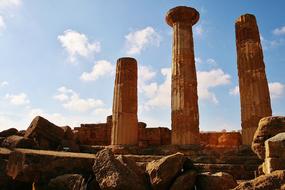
40, 165
271, 164
275, 147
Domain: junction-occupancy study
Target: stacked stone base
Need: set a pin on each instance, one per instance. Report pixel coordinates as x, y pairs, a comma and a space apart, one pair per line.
240, 161
274, 154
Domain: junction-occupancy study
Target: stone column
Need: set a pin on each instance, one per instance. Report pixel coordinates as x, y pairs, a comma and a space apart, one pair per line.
124, 117
184, 98
253, 86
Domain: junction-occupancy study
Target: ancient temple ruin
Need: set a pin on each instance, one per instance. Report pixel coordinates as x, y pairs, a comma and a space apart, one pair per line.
184, 96
47, 155
253, 85
125, 103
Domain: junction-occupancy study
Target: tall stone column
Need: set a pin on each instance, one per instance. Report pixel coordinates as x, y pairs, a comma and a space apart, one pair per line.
124, 117
184, 98
253, 85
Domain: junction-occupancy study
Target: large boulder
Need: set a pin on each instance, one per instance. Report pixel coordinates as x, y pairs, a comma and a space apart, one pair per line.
163, 172
111, 174
265, 182
50, 136
186, 181
217, 181
67, 182
15, 141
267, 128
47, 134
8, 132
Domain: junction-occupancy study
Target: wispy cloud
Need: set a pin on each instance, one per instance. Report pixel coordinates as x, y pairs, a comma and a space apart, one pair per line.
4, 83
4, 4
18, 99
138, 40
73, 102
2, 23
101, 68
77, 45
279, 31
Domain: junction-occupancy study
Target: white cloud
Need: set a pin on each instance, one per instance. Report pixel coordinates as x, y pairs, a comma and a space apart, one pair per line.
9, 3
145, 74
234, 91
161, 93
277, 90
100, 68
139, 40
279, 31
71, 101
267, 44
210, 79
78, 45
18, 99
4, 83
2, 23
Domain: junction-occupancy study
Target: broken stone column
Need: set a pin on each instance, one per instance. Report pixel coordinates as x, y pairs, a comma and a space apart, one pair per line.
253, 85
184, 97
124, 117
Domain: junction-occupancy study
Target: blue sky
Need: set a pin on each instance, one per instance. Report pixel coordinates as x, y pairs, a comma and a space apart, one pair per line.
58, 58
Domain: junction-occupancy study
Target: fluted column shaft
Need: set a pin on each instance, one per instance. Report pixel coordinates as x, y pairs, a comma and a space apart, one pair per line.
184, 97
124, 117
253, 85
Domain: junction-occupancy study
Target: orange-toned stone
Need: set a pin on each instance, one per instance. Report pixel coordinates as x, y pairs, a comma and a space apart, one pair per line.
124, 117
221, 139
253, 85
184, 97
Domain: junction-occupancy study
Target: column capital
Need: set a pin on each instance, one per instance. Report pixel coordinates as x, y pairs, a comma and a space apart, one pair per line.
182, 14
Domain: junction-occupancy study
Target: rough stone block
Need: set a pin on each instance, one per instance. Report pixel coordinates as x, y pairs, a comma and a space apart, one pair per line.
275, 146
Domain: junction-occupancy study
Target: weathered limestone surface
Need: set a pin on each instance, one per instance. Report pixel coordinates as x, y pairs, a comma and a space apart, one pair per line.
274, 154
112, 174
47, 134
125, 102
184, 97
220, 139
253, 86
15, 141
40, 165
8, 132
270, 181
185, 181
154, 136
162, 172
217, 181
67, 182
267, 128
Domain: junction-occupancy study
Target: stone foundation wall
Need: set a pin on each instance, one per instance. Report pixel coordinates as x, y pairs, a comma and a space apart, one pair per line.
223, 139
154, 136
100, 134
94, 134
